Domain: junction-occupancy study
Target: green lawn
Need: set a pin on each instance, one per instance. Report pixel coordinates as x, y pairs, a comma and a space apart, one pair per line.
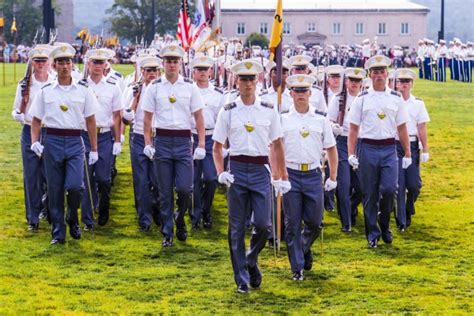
116, 269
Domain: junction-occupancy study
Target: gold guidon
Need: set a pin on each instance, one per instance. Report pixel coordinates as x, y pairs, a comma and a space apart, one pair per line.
249, 127
304, 132
172, 98
381, 115
63, 107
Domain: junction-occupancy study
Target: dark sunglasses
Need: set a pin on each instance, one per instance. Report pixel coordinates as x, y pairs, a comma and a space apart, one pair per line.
252, 78
154, 69
201, 69
98, 62
300, 68
355, 79
171, 61
40, 60
404, 80
300, 90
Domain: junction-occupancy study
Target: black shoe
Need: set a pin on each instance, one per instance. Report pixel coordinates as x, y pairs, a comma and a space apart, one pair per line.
346, 229
33, 228
243, 289
75, 231
271, 243
167, 242
298, 276
308, 260
88, 228
401, 228
372, 244
255, 276
144, 228
103, 217
207, 224
181, 234
57, 241
195, 227
387, 236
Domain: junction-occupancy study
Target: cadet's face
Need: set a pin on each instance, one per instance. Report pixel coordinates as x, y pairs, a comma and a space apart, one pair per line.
40, 65
404, 85
247, 85
300, 97
63, 67
150, 73
201, 73
300, 71
97, 67
172, 66
334, 81
353, 85
378, 76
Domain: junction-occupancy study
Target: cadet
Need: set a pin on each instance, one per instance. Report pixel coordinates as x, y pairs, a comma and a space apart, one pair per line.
205, 177
376, 115
144, 181
108, 121
305, 134
271, 95
250, 125
300, 66
409, 180
63, 107
333, 74
345, 175
441, 54
174, 101
33, 175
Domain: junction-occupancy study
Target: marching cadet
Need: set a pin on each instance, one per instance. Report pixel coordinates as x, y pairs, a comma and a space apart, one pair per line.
111, 73
300, 66
346, 176
108, 120
441, 54
33, 175
205, 177
173, 101
376, 115
144, 181
305, 134
333, 74
409, 180
457, 62
420, 57
250, 125
63, 107
271, 95
468, 62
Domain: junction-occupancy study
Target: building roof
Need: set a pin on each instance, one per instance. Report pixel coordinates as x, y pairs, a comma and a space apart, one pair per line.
323, 5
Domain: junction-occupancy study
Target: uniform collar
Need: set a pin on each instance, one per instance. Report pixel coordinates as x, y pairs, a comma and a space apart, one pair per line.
102, 80
387, 90
310, 113
55, 83
241, 104
180, 80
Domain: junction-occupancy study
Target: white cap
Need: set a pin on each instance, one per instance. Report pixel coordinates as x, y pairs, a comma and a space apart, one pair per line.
334, 70
40, 51
202, 61
378, 61
300, 81
300, 60
286, 64
366, 41
442, 41
357, 73
405, 73
98, 54
64, 50
247, 67
149, 61
172, 50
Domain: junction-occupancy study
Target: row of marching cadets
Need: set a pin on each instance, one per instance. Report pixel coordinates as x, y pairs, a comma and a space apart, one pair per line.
182, 129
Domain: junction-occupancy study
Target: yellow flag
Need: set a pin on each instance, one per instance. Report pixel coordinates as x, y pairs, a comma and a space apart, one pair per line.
2, 22
13, 28
277, 29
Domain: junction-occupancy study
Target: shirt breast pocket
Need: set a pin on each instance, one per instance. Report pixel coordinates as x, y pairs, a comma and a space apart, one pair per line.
184, 98
78, 103
369, 112
391, 110
263, 126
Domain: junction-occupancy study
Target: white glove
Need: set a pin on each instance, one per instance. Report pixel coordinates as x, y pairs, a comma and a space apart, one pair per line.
122, 139
199, 153
19, 117
281, 186
225, 152
353, 161
406, 162
425, 157
226, 178
93, 157
330, 185
336, 129
149, 151
129, 115
117, 149
37, 148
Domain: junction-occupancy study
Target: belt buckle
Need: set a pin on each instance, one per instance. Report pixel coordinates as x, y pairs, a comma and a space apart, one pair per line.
153, 133
98, 130
304, 167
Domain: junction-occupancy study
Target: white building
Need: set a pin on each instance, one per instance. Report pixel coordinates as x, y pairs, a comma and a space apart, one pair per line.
329, 22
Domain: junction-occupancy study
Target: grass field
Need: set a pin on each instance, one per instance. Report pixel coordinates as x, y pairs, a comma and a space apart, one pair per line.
116, 269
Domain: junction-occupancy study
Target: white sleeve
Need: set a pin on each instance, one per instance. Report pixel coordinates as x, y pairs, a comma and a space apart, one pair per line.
148, 104
222, 127
275, 127
402, 114
91, 104
328, 136
17, 102
355, 113
423, 116
197, 103
333, 109
37, 106
117, 102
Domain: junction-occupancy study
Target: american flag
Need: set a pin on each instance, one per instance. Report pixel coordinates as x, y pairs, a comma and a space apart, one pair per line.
184, 33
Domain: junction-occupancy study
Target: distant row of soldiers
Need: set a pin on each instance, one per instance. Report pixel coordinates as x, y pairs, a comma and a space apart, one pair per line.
187, 135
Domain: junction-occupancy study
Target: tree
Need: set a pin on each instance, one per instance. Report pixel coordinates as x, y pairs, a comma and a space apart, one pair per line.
133, 19
257, 39
29, 19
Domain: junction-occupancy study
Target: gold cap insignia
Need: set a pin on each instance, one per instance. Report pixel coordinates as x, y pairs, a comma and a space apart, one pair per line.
63, 49
300, 78
172, 48
356, 72
378, 59
248, 65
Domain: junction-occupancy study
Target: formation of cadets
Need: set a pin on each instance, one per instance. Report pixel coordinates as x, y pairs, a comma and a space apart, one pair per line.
338, 134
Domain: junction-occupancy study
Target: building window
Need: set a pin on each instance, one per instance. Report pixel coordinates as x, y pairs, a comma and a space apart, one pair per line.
264, 28
382, 29
404, 29
336, 29
311, 27
286, 28
359, 29
240, 28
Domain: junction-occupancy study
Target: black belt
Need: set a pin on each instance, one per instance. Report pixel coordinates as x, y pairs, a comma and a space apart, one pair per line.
259, 160
379, 142
173, 132
63, 132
